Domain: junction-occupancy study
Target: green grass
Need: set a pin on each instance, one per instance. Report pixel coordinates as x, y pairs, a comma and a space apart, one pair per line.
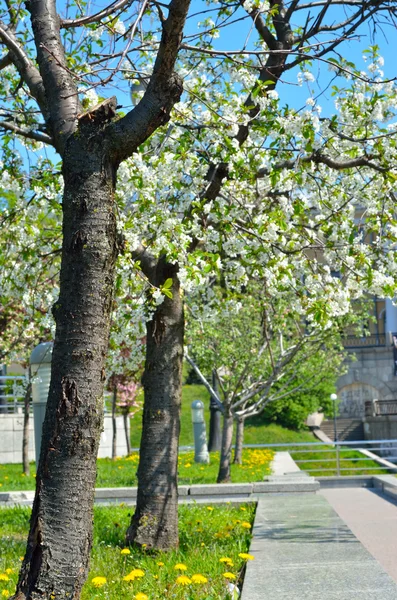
122, 472
207, 534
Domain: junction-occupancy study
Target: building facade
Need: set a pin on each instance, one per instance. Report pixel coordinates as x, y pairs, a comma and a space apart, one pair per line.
372, 360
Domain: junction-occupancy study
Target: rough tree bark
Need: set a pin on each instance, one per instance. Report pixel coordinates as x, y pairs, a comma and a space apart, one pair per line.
62, 511
238, 448
226, 449
155, 521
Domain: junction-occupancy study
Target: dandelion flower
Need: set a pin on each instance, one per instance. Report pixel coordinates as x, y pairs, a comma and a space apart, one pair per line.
98, 581
210, 508
9, 571
125, 551
160, 564
4, 577
246, 525
6, 593
183, 580
246, 556
141, 596
180, 567
134, 574
197, 578
229, 575
226, 560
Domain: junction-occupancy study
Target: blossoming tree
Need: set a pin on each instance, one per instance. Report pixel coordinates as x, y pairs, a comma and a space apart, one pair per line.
52, 72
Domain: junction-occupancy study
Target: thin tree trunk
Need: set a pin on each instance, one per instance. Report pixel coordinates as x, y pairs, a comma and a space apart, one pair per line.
155, 522
238, 448
25, 435
215, 433
57, 556
114, 424
127, 434
226, 450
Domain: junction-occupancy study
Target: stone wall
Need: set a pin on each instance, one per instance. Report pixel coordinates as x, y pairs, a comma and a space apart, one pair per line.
383, 428
11, 438
369, 377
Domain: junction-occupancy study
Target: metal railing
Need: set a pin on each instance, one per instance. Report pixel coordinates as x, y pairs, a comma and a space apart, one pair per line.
368, 341
12, 390
380, 408
332, 459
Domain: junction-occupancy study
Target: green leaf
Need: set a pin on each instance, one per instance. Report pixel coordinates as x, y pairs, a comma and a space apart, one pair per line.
167, 284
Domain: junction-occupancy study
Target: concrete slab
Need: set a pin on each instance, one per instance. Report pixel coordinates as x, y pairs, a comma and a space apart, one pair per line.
283, 463
304, 551
372, 519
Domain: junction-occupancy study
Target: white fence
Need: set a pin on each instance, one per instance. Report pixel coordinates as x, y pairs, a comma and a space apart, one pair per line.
11, 429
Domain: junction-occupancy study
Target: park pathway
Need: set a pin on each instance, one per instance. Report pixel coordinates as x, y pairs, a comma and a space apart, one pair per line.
304, 551
372, 519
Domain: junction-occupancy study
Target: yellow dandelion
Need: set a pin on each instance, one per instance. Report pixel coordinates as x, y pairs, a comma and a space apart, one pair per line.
202, 544
6, 593
246, 525
134, 574
210, 508
229, 575
187, 465
242, 508
9, 571
141, 596
160, 564
246, 556
183, 580
98, 581
155, 576
125, 551
197, 578
226, 560
180, 567
4, 577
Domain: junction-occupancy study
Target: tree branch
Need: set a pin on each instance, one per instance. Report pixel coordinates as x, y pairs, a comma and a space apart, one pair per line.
205, 382
318, 158
163, 91
29, 73
27, 133
111, 9
60, 87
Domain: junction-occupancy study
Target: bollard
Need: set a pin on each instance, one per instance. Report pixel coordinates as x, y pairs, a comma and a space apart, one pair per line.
200, 438
40, 362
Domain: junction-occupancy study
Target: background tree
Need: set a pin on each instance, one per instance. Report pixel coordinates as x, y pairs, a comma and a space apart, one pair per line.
262, 351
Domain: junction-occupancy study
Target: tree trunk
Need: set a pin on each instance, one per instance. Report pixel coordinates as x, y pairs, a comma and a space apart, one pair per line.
226, 449
238, 448
25, 434
114, 424
60, 538
155, 522
215, 435
127, 433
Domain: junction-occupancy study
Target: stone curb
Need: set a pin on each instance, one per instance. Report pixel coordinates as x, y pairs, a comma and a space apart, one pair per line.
387, 484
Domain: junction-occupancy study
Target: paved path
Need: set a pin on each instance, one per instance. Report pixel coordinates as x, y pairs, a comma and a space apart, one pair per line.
372, 519
304, 551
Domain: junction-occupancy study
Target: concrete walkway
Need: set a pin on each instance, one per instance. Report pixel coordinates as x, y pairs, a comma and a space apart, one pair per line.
372, 519
304, 551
